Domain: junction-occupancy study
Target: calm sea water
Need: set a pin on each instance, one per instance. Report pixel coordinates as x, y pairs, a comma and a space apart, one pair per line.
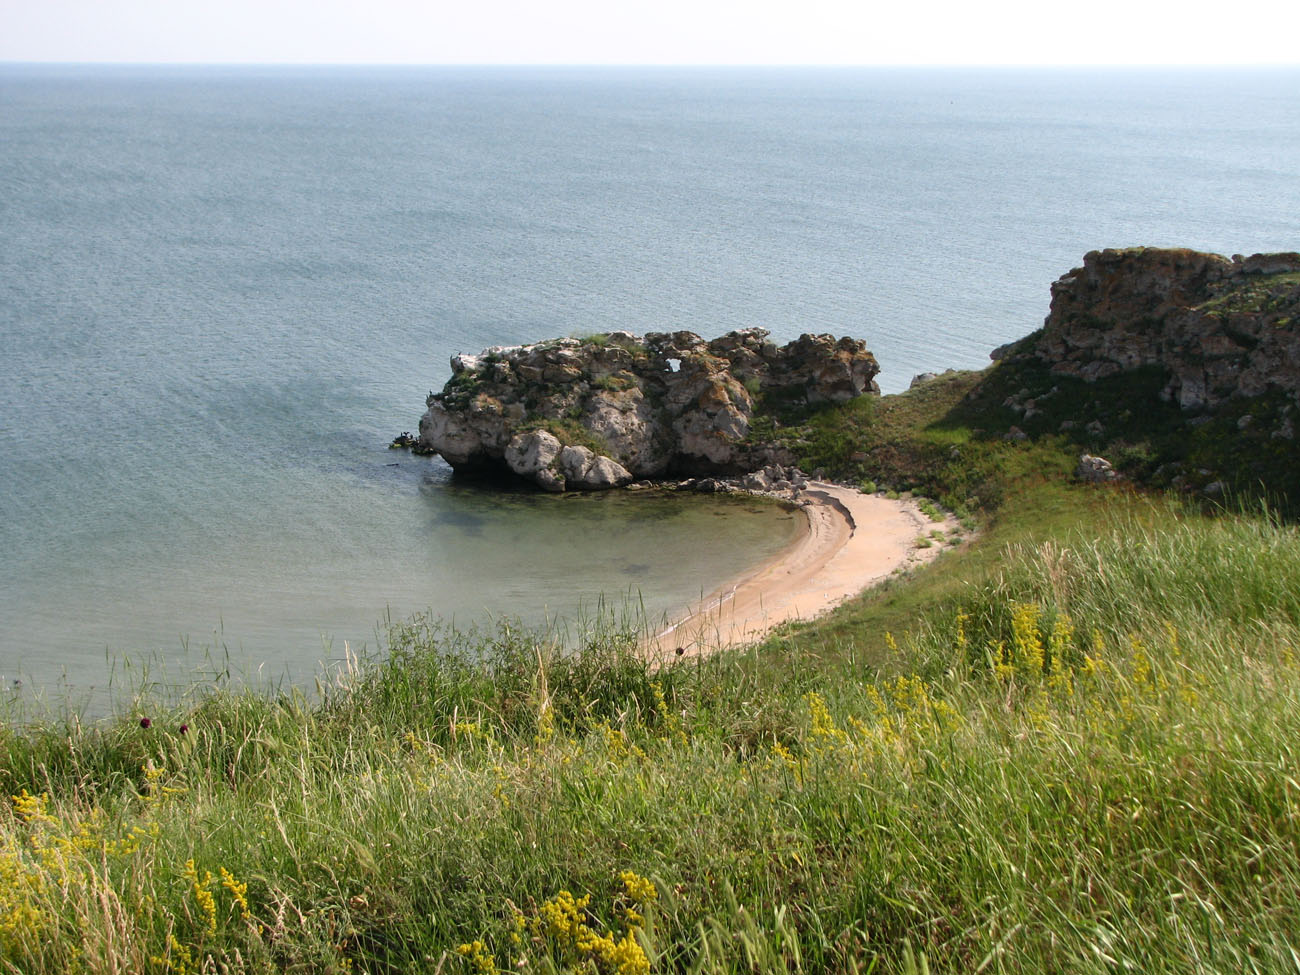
223, 290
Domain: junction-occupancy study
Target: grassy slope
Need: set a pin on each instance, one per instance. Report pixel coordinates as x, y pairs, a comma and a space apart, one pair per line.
1068, 746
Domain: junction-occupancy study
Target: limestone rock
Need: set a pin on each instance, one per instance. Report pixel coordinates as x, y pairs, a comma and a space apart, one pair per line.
588, 471
1220, 328
666, 403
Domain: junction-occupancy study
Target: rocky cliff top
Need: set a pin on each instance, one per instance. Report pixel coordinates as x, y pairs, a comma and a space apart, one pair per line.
604, 410
1222, 327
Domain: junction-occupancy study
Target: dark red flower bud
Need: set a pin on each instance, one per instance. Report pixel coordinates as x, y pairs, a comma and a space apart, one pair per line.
145, 722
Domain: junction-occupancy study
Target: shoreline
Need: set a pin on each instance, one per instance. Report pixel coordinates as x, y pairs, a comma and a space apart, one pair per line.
852, 541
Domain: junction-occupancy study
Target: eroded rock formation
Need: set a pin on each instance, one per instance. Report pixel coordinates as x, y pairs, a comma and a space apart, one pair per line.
1223, 328
603, 411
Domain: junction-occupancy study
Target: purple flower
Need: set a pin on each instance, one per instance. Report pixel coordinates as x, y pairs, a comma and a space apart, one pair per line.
145, 722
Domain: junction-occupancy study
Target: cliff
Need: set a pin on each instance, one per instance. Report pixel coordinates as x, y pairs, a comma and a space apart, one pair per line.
601, 411
1180, 368
1221, 328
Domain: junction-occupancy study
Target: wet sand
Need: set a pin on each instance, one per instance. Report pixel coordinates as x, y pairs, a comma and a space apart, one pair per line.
853, 541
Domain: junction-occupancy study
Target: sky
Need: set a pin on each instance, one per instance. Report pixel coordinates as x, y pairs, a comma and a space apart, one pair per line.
709, 32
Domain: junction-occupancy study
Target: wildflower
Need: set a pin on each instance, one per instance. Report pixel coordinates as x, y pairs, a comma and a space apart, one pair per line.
824, 731
1029, 650
145, 723
479, 958
23, 886
561, 917
784, 756
179, 958
518, 925
238, 891
545, 725
31, 809
184, 729
1058, 644
202, 887
639, 889
562, 921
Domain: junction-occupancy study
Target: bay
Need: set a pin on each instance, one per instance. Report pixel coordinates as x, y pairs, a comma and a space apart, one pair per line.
222, 290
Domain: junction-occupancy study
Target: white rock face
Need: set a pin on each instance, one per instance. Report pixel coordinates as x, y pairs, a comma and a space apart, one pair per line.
454, 434
625, 421
528, 453
711, 438
540, 456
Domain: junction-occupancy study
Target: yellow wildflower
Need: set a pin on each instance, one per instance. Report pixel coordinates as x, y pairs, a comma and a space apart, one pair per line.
238, 891
33, 810
179, 959
1025, 639
640, 890
202, 887
479, 958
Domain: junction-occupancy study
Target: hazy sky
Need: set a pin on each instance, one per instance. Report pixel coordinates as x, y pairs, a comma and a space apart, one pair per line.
654, 31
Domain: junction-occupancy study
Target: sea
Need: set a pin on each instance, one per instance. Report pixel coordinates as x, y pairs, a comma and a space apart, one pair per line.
223, 290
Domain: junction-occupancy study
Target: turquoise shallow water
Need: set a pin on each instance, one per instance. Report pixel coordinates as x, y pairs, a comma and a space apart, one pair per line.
223, 290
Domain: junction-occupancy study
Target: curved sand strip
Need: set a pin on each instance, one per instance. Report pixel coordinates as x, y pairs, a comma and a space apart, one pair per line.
853, 540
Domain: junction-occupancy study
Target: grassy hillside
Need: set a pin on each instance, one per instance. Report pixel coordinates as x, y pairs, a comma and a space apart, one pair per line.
1069, 746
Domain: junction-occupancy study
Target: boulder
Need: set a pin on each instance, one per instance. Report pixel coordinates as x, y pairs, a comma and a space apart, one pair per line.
531, 452
585, 470
1095, 470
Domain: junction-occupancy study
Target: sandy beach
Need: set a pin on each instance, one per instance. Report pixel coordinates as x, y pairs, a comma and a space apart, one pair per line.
853, 541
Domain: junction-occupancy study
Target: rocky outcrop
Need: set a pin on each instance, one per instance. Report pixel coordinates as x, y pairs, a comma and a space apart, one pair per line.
1095, 470
1222, 328
603, 411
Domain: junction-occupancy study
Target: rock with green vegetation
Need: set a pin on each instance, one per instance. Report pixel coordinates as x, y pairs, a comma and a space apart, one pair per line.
1222, 328
1136, 339
600, 411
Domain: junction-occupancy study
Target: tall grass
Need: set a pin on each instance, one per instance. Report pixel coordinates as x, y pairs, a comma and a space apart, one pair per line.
1089, 765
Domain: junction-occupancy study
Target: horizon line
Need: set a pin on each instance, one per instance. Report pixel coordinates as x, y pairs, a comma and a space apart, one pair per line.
724, 65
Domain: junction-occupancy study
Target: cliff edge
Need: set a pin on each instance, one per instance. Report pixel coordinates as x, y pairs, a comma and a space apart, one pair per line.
1222, 328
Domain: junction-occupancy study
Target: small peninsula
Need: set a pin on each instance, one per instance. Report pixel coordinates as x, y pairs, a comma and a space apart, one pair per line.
602, 411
